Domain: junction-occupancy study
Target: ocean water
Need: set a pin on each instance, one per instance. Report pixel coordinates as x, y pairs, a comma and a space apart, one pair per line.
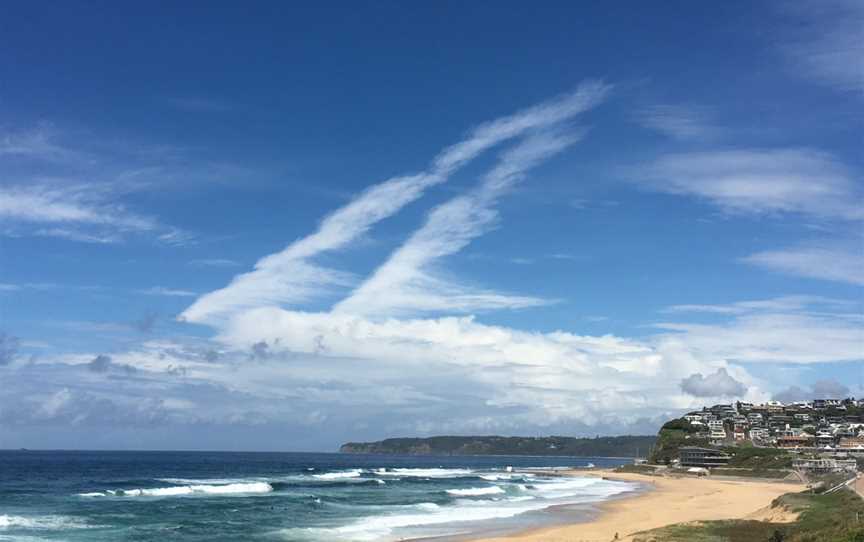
198, 496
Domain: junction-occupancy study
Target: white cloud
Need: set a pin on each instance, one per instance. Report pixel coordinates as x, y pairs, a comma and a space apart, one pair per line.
170, 292
795, 329
406, 283
39, 143
822, 389
214, 262
66, 204
831, 263
759, 181
717, 384
825, 42
516, 378
678, 122
790, 303
352, 368
8, 287
288, 276
86, 212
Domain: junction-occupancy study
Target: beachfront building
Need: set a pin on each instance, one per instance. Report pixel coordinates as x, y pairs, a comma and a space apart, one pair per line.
795, 441
825, 466
694, 456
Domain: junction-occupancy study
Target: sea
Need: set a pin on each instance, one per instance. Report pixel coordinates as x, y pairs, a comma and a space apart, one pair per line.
216, 496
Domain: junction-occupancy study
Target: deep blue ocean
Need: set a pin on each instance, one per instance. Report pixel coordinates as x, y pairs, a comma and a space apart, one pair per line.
213, 496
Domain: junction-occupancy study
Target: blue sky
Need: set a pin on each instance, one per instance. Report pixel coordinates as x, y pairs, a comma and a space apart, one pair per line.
283, 227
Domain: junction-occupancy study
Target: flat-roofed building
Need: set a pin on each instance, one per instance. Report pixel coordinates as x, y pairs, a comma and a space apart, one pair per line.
821, 466
694, 456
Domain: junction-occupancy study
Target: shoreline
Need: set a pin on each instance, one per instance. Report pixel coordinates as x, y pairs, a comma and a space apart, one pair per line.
659, 501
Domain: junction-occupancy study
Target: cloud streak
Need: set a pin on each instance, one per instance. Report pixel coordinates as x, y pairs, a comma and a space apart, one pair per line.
827, 43
794, 329
405, 284
289, 277
168, 292
830, 263
758, 181
678, 122
84, 212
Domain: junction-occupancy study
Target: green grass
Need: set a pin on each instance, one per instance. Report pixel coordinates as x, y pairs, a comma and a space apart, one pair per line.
826, 517
823, 518
711, 531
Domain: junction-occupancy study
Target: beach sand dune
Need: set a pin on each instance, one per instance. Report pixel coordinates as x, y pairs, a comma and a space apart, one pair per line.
670, 500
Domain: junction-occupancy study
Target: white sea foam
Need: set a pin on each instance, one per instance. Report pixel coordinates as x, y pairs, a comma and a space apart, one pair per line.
198, 489
583, 488
428, 473
496, 477
212, 481
382, 527
41, 522
476, 491
429, 519
339, 475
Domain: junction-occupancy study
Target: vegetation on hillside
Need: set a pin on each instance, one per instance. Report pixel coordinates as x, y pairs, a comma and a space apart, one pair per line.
626, 446
673, 435
759, 461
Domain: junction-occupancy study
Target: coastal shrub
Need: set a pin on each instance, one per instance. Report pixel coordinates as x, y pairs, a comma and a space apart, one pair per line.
759, 458
680, 424
836, 517
671, 438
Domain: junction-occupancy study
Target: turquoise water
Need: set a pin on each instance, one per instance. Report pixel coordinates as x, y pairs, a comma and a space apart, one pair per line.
198, 496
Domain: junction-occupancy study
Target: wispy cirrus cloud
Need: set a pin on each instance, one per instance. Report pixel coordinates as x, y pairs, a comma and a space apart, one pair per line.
407, 283
755, 181
80, 187
214, 262
825, 41
289, 276
169, 292
86, 212
8, 348
791, 329
39, 143
784, 303
830, 262
684, 123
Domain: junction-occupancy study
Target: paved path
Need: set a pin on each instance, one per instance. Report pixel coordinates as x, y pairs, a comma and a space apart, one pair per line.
859, 485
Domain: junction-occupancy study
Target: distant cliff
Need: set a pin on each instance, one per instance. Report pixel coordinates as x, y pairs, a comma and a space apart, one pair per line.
627, 446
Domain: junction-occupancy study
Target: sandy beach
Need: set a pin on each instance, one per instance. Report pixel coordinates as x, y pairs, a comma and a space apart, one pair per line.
670, 500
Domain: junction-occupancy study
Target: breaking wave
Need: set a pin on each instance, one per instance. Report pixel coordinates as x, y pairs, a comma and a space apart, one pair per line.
426, 473
199, 489
339, 475
476, 491
41, 522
